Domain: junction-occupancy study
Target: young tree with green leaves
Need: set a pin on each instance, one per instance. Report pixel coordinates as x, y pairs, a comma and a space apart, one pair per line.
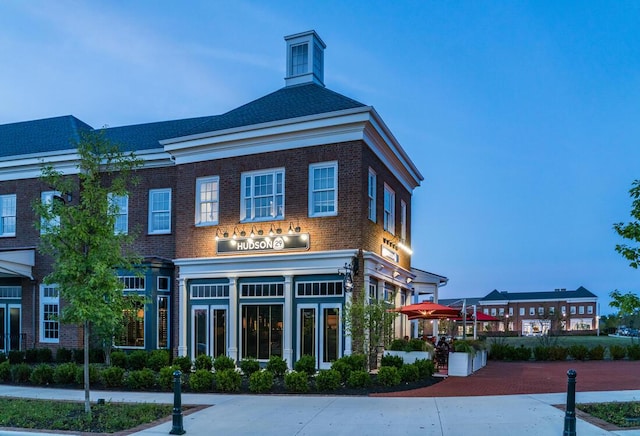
80, 237
631, 230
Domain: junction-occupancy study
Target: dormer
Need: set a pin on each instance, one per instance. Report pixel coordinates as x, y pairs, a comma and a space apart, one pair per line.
305, 58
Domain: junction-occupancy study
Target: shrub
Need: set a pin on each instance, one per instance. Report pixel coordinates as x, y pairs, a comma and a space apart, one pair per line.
295, 381
138, 360
542, 353
328, 380
42, 374
65, 373
356, 361
228, 380
596, 353
203, 361
578, 351
343, 367
500, 352
416, 344
184, 362
223, 362
359, 379
119, 359
5, 371
426, 368
63, 355
249, 366
165, 377
409, 373
558, 352
31, 355
44, 355
140, 379
395, 361
96, 355
78, 355
388, 376
306, 364
3, 357
112, 377
20, 373
521, 353
617, 352
261, 381
16, 357
201, 380
277, 365
94, 374
398, 345
633, 351
158, 359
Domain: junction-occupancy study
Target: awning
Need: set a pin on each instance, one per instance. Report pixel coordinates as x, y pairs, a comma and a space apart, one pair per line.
17, 263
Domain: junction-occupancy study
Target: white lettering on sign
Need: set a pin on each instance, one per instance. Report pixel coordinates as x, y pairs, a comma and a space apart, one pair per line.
261, 244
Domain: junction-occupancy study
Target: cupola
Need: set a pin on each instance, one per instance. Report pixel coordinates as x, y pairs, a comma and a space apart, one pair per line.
305, 58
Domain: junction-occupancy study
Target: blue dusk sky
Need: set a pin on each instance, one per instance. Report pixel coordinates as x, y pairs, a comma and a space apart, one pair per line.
523, 116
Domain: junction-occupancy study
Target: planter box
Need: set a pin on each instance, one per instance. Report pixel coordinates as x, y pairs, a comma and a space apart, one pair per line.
460, 364
409, 356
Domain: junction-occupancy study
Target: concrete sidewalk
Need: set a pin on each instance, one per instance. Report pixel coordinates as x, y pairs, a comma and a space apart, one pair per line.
531, 414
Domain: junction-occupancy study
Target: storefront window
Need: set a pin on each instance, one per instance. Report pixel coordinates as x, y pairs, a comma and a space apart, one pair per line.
261, 331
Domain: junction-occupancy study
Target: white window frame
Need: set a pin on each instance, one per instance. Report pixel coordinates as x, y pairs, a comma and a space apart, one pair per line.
522, 311
572, 310
46, 197
332, 206
299, 60
511, 311
153, 212
389, 210
8, 214
589, 310
371, 192
580, 310
540, 310
211, 216
532, 311
49, 300
403, 220
121, 203
250, 216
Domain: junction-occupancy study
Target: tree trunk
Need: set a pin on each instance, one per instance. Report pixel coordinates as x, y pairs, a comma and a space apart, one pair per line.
87, 402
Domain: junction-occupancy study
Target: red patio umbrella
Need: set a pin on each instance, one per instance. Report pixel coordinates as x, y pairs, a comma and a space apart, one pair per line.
480, 316
428, 310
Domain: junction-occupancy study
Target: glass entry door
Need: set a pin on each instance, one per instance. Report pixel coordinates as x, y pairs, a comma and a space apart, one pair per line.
209, 331
9, 327
319, 328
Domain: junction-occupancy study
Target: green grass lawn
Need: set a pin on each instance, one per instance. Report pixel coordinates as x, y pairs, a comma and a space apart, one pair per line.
70, 416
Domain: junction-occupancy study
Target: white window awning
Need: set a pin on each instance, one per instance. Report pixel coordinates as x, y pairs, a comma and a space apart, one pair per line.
17, 263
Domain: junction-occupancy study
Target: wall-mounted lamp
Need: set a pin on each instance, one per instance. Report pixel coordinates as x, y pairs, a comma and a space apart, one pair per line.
379, 267
349, 271
290, 228
253, 231
271, 232
225, 234
235, 232
217, 234
409, 280
395, 274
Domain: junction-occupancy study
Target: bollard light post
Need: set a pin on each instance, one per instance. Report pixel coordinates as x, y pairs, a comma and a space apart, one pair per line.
177, 405
570, 414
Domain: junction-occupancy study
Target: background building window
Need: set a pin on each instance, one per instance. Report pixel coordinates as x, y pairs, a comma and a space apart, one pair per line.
47, 199
160, 211
262, 195
522, 311
389, 210
323, 189
49, 314
120, 207
590, 310
371, 191
8, 215
572, 310
207, 200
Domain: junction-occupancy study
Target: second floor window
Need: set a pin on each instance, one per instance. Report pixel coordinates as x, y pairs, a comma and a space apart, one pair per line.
160, 210
371, 191
389, 210
207, 203
262, 195
8, 215
323, 189
120, 205
47, 198
403, 220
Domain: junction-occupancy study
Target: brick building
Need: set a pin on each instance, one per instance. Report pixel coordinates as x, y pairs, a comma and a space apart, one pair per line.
256, 225
535, 313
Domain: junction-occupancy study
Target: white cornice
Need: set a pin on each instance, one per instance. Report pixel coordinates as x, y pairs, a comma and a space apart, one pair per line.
316, 262
66, 161
348, 125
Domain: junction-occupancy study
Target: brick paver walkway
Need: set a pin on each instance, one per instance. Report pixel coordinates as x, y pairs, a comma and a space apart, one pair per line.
507, 378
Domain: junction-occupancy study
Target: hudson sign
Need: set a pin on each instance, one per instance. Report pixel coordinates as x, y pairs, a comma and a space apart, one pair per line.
264, 244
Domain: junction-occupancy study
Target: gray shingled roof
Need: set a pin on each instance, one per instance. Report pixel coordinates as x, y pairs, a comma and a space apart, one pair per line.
581, 292
62, 133
39, 136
